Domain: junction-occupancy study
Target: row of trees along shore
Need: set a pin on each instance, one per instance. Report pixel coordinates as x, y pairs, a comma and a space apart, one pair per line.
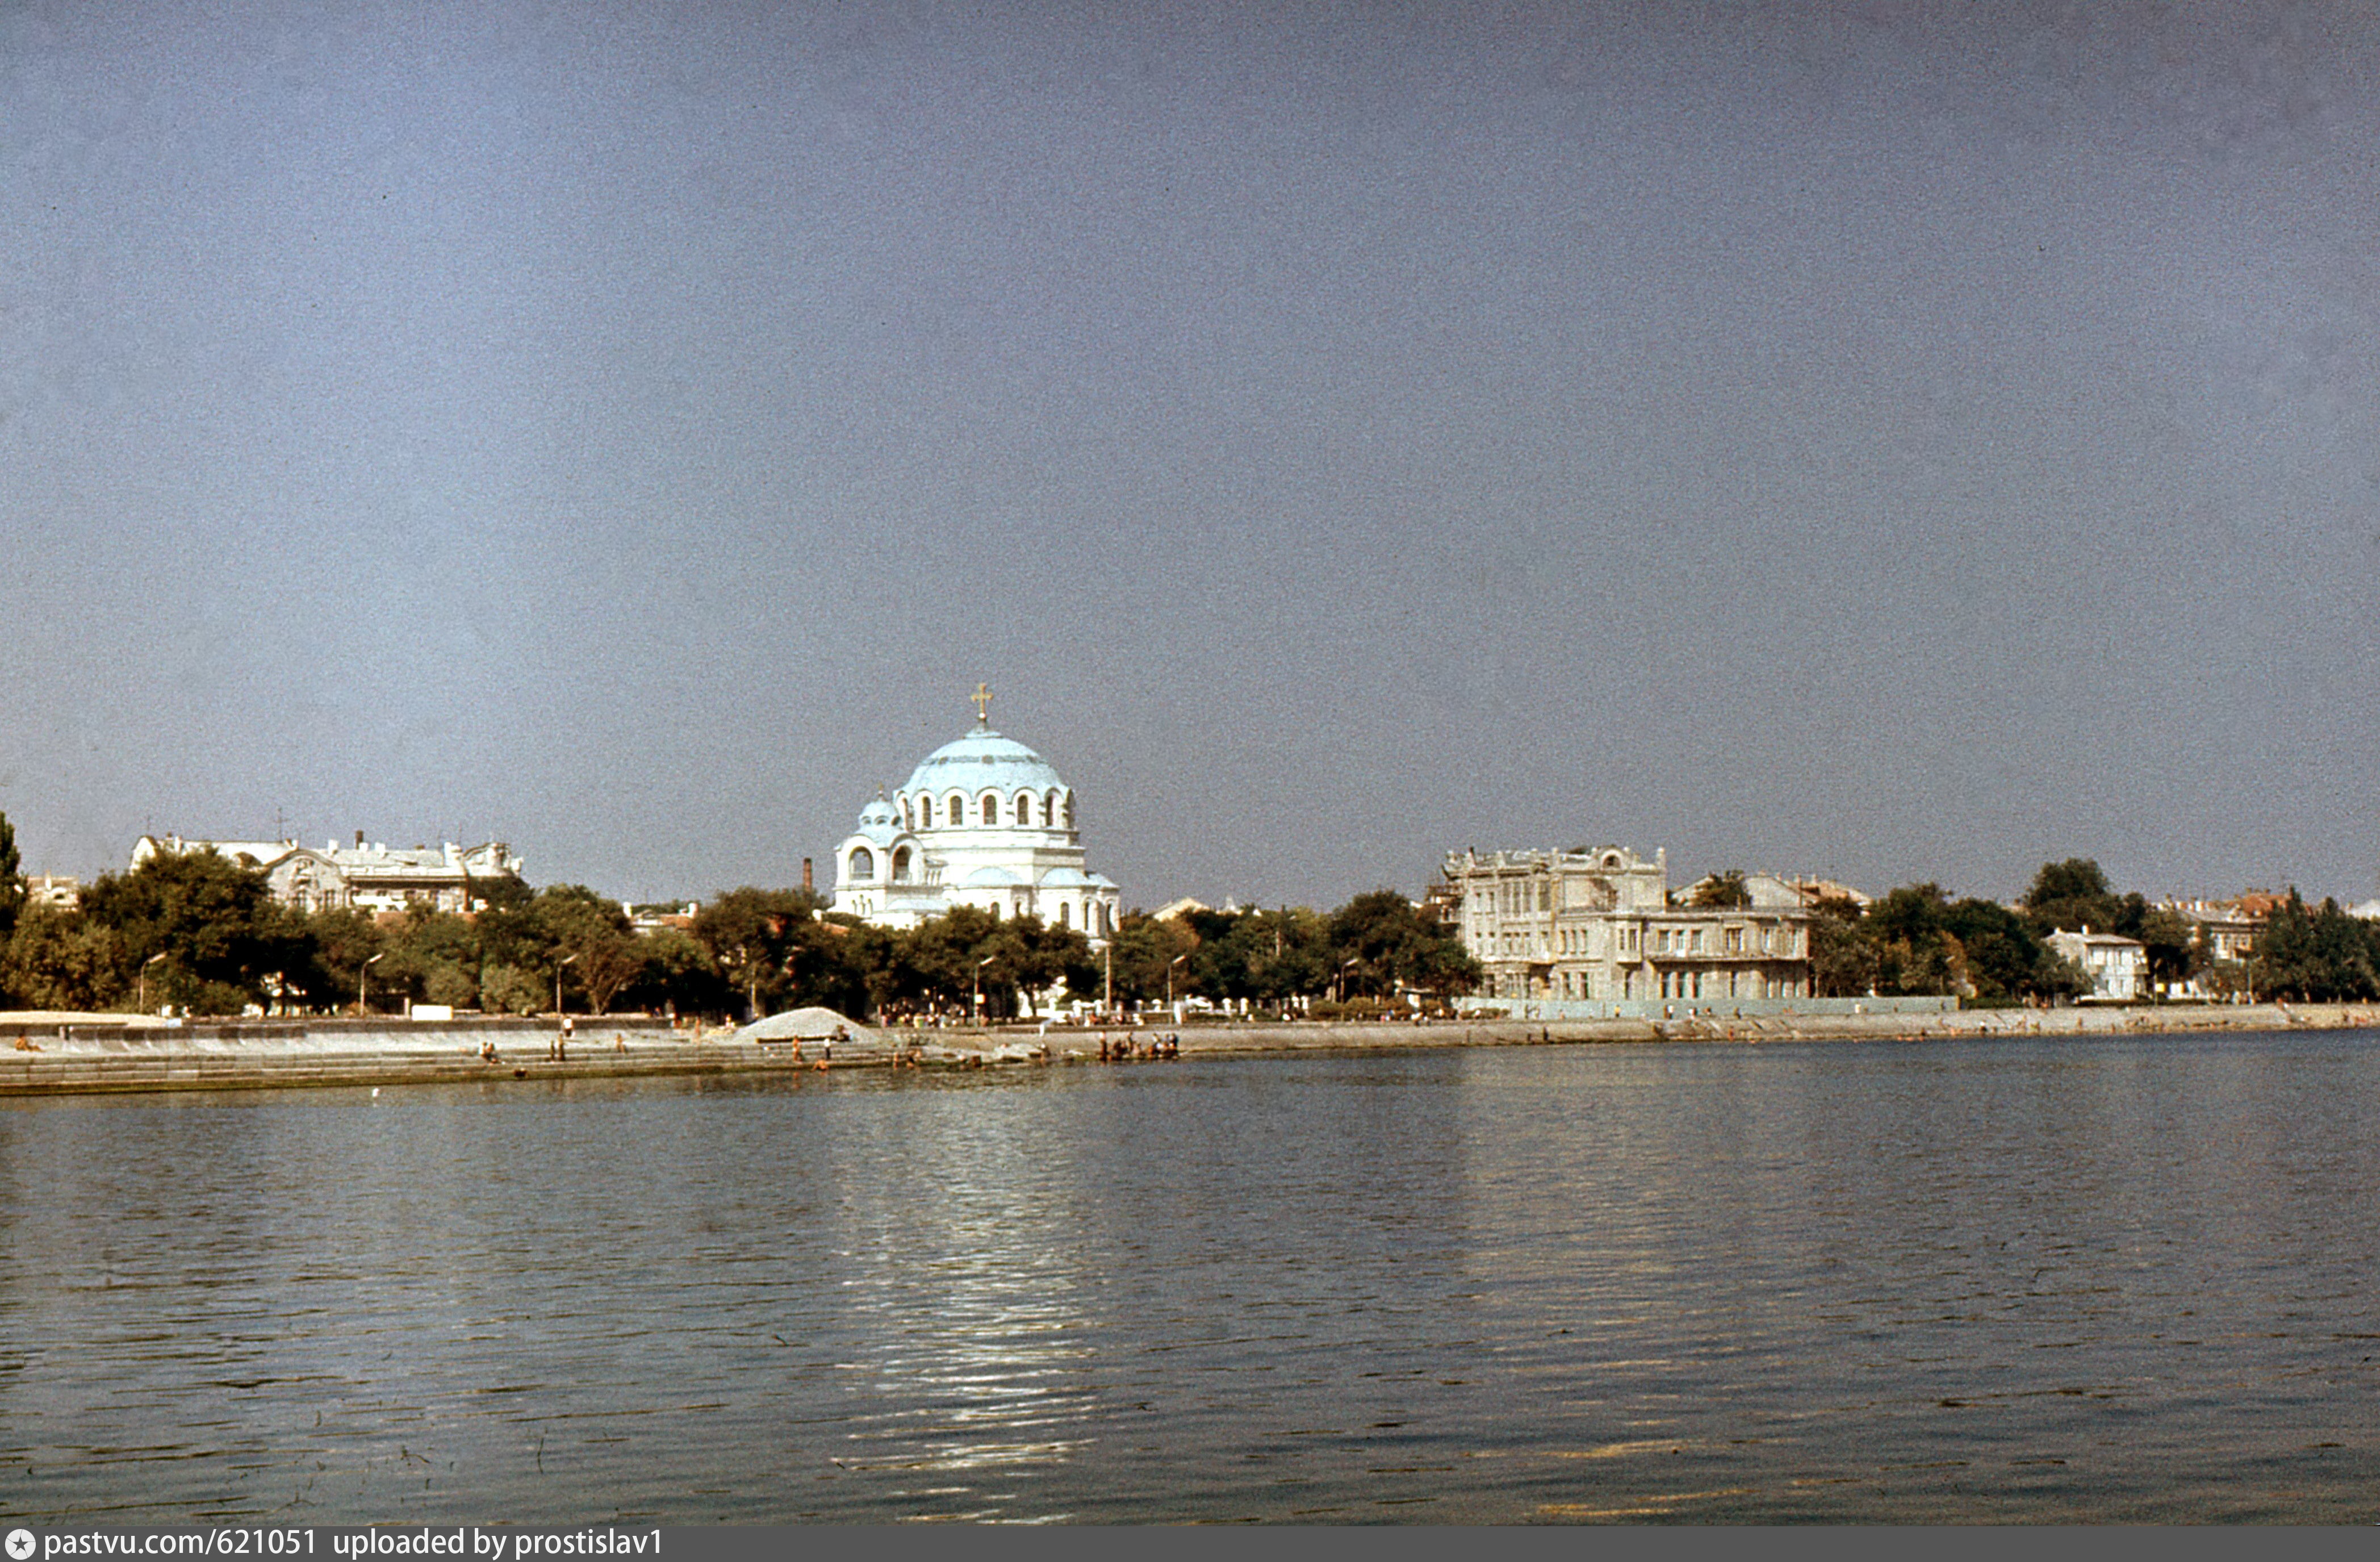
1918, 941
204, 936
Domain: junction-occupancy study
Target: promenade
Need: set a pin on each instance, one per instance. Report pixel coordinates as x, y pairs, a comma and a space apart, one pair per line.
48, 1055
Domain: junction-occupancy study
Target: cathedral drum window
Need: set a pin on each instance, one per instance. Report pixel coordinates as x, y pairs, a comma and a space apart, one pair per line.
863, 863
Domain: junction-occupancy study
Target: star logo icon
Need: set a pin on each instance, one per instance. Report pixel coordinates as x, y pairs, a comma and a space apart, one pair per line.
20, 1545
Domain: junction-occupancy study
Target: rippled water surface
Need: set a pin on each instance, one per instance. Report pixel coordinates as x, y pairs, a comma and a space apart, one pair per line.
1985, 1280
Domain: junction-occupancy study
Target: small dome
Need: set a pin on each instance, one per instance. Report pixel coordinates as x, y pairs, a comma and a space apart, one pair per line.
880, 822
982, 760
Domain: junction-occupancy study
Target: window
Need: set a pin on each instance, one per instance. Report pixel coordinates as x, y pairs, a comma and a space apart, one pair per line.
990, 808
1064, 911
924, 813
900, 866
863, 863
958, 808
1024, 808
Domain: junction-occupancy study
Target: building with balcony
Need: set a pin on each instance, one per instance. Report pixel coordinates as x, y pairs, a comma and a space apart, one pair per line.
1598, 926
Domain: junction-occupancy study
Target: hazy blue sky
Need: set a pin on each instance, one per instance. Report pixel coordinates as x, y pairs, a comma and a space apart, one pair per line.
1891, 441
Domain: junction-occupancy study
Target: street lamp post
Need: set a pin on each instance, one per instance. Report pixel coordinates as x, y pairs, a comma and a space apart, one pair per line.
142, 1001
1344, 968
978, 985
1169, 982
566, 959
363, 974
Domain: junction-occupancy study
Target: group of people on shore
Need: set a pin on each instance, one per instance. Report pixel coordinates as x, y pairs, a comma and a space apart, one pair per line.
1131, 1049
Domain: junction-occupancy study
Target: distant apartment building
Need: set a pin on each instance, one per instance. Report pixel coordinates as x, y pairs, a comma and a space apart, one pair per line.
2228, 927
1598, 925
363, 877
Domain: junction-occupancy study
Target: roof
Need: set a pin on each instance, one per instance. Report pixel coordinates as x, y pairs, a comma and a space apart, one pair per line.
981, 760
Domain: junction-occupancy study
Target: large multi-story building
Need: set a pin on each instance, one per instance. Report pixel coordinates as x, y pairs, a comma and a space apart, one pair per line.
360, 878
1597, 925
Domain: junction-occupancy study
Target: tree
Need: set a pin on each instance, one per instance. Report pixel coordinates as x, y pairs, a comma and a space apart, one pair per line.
1842, 951
2073, 894
217, 938
12, 882
1392, 944
56, 960
432, 957
1723, 890
2005, 960
752, 935
2321, 955
593, 935
679, 976
1143, 950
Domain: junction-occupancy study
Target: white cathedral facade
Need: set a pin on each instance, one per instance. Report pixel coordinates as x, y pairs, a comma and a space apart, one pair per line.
983, 822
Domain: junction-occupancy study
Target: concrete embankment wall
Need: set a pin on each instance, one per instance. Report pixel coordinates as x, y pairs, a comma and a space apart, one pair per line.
1786, 1026
39, 1058
51, 1059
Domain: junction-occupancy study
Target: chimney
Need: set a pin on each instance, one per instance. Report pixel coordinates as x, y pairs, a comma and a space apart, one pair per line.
359, 840
806, 876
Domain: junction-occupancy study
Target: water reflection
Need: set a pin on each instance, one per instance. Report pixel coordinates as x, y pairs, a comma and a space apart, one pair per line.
1997, 1280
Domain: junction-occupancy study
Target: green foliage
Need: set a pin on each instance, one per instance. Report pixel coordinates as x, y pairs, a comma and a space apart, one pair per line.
12, 881
590, 942
2319, 955
1393, 945
1723, 890
505, 989
2074, 894
751, 934
207, 931
1916, 941
59, 960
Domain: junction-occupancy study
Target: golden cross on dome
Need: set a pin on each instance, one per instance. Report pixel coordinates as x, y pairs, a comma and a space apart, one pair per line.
982, 697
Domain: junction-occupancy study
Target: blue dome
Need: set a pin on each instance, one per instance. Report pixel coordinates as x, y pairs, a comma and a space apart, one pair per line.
879, 823
981, 760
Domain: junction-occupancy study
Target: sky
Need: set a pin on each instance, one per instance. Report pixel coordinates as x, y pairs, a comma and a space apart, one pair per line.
1891, 442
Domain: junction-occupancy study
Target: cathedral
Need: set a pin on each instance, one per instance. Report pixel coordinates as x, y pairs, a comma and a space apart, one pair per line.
983, 822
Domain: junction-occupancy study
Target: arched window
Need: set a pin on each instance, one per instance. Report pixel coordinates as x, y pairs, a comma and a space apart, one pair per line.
1049, 808
1024, 808
958, 808
863, 863
991, 808
1064, 911
1070, 811
924, 813
901, 865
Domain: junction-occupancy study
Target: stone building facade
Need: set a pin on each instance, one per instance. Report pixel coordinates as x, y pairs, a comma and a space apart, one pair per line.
1598, 926
364, 877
